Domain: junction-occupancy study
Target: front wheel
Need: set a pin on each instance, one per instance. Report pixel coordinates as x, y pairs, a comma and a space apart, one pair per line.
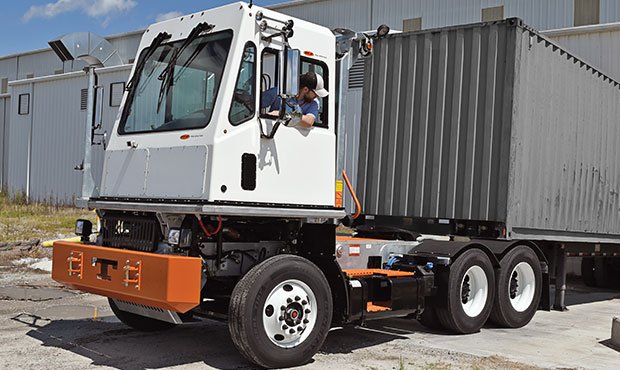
280, 312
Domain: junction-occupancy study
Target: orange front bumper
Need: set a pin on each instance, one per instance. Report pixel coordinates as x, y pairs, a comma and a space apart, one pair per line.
163, 281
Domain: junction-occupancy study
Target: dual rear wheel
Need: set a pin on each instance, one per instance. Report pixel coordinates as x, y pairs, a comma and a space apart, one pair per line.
476, 293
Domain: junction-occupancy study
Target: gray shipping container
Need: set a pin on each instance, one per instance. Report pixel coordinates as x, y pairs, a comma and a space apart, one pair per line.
491, 122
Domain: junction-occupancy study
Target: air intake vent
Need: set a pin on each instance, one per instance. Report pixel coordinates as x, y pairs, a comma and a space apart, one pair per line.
84, 99
356, 74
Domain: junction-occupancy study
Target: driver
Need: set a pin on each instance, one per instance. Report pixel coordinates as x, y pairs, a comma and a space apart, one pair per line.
304, 107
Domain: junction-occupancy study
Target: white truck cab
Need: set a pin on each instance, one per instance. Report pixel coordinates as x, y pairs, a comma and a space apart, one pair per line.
191, 128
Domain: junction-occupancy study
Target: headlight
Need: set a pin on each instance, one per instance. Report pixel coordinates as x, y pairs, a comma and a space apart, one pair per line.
186, 238
83, 228
173, 236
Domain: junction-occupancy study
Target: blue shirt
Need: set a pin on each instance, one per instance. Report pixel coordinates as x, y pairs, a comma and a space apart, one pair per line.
270, 99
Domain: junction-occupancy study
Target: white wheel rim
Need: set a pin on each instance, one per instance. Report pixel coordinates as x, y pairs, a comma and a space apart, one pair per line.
521, 286
474, 291
289, 313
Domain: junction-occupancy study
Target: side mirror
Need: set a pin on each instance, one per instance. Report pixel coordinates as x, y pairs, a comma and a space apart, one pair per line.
291, 71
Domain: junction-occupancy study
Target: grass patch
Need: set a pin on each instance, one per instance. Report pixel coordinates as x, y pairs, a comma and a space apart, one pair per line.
21, 220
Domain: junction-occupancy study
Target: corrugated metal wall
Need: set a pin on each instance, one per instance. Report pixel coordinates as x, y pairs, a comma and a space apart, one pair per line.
599, 45
46, 144
566, 146
369, 14
57, 140
435, 123
491, 123
18, 149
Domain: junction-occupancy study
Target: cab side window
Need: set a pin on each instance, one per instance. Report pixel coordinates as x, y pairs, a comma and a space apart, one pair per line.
270, 60
244, 98
310, 65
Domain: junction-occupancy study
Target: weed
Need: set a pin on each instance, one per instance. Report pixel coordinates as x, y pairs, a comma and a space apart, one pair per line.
22, 220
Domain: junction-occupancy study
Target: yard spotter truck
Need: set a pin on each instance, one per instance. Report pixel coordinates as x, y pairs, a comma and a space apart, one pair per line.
488, 136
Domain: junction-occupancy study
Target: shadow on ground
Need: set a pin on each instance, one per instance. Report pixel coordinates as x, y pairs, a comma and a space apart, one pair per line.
110, 343
113, 344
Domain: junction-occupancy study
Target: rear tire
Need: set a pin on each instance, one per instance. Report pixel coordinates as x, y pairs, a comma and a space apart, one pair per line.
605, 273
518, 288
280, 312
470, 289
141, 323
587, 271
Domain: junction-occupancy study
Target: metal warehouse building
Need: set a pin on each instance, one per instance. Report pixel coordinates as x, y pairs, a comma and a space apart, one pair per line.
43, 100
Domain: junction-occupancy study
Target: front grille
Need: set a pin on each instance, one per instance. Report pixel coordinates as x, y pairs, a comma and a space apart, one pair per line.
140, 233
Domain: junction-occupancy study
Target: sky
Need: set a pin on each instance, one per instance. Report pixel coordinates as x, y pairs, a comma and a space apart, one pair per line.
30, 24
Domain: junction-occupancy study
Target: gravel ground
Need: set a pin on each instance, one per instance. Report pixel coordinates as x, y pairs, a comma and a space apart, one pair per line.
44, 326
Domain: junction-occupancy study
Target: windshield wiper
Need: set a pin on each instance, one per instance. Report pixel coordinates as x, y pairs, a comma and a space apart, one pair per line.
166, 75
157, 41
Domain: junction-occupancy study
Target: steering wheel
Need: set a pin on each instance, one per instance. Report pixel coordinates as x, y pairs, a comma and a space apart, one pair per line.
241, 96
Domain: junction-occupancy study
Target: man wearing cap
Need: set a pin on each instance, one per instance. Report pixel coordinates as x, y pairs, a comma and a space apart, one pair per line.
303, 109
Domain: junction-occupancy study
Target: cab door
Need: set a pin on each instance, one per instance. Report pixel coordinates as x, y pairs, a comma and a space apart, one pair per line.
297, 165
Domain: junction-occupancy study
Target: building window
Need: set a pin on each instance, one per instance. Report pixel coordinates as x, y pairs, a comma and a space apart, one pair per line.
84, 99
30, 75
492, 14
586, 12
24, 104
117, 89
4, 86
413, 24
59, 72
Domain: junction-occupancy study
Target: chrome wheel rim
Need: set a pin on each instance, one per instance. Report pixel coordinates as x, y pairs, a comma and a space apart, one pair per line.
289, 313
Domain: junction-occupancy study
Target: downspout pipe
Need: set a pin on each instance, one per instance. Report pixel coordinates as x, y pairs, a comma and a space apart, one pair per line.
96, 52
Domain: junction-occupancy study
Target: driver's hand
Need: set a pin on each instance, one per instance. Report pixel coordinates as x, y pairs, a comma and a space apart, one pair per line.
293, 119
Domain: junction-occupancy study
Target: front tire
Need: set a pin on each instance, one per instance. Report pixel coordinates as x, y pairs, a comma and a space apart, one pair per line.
470, 289
519, 287
280, 312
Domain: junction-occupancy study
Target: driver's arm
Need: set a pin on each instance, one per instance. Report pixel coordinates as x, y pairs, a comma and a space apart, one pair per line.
310, 114
307, 120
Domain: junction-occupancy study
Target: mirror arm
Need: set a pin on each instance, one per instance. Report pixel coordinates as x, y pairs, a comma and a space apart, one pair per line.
274, 129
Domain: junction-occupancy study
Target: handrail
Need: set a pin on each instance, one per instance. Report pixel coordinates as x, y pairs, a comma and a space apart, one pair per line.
358, 206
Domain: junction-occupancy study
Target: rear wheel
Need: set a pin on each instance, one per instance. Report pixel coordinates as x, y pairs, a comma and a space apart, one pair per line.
141, 323
605, 273
518, 289
280, 312
469, 292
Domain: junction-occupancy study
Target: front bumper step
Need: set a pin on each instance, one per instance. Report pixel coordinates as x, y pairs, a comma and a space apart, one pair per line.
163, 281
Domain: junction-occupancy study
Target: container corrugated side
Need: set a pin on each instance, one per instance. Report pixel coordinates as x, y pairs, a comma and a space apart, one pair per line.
436, 123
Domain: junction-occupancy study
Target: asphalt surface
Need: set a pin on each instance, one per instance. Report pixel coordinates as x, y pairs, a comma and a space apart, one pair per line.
43, 326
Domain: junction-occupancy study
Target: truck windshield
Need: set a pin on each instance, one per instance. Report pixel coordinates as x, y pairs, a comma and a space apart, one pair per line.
179, 96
